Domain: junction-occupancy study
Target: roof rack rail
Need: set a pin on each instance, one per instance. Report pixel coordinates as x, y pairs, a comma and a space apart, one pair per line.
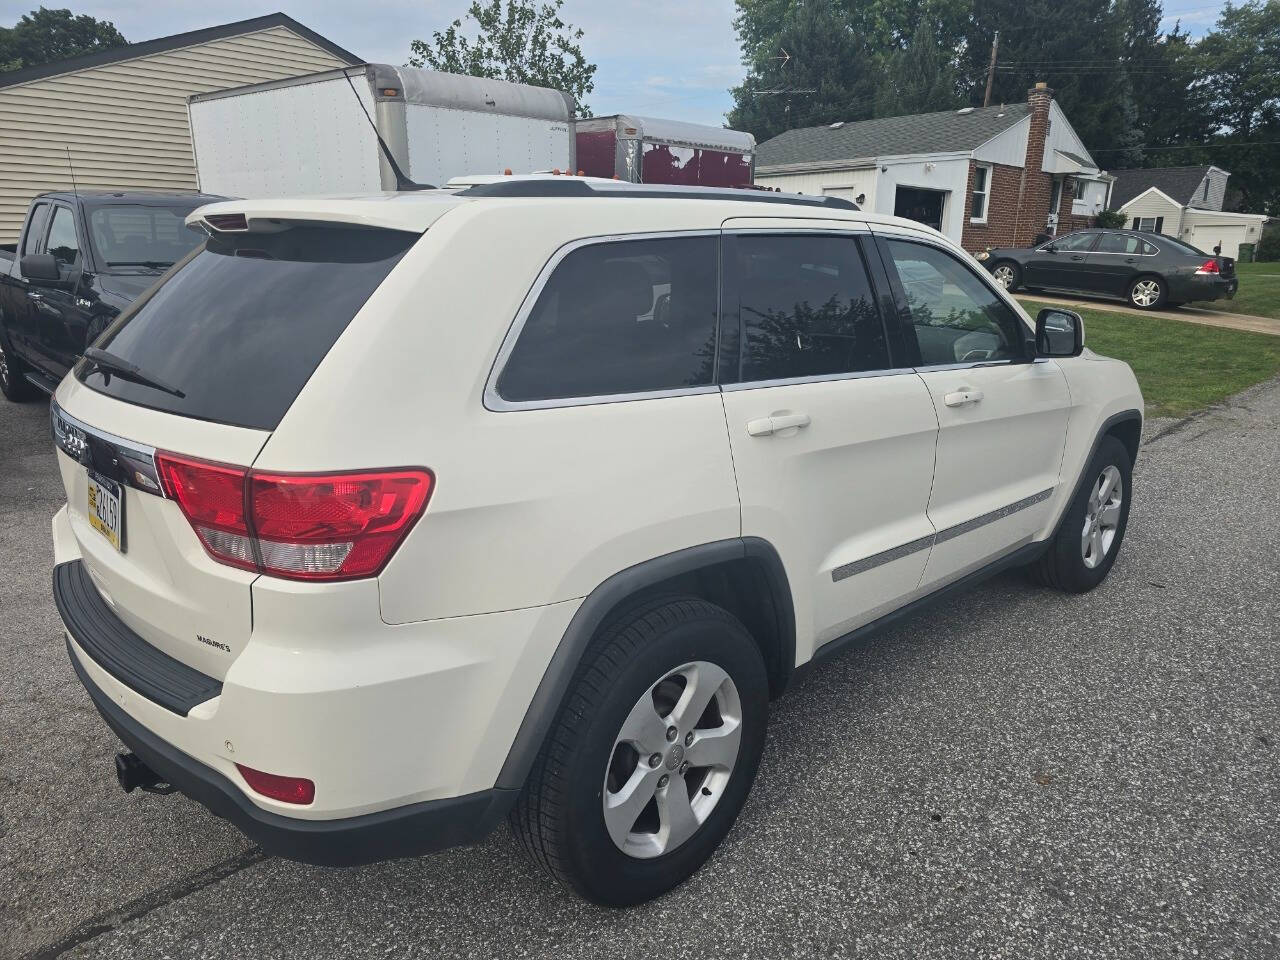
573, 187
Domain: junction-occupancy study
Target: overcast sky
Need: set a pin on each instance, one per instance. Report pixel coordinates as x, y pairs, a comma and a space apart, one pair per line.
669, 58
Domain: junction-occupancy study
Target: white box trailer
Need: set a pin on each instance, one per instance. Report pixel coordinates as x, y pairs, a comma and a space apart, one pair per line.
310, 134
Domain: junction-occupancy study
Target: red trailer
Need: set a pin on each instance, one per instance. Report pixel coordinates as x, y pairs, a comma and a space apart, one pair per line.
645, 150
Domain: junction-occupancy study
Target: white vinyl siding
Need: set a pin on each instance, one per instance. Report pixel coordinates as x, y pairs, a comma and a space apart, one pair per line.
1212, 190
1151, 205
126, 122
849, 184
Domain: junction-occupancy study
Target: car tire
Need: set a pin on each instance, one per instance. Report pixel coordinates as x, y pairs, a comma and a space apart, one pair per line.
13, 381
1008, 274
1148, 292
597, 770
1091, 532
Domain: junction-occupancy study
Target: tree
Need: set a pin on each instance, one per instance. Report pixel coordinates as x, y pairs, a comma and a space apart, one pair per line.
518, 40
920, 78
1078, 51
828, 71
44, 36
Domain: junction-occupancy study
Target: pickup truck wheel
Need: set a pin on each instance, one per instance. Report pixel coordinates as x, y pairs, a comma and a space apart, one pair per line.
13, 384
652, 755
1081, 553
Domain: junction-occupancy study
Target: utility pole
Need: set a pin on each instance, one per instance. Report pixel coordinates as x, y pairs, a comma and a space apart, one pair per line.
991, 70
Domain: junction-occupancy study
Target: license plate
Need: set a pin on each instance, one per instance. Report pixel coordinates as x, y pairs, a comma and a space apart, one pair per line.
106, 509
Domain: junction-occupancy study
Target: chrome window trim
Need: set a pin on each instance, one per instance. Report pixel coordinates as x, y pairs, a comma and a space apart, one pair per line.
496, 403
144, 476
817, 378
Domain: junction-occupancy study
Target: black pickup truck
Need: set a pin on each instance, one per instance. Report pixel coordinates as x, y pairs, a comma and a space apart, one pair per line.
81, 259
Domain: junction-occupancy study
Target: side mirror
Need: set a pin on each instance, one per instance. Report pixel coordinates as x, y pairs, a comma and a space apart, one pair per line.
1051, 249
41, 267
1059, 333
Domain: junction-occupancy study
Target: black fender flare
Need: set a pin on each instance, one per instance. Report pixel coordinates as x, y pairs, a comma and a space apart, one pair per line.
1103, 430
553, 688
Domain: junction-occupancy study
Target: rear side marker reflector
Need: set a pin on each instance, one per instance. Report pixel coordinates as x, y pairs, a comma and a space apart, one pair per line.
340, 526
297, 790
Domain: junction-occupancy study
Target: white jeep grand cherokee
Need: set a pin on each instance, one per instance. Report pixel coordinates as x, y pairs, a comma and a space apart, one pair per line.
389, 517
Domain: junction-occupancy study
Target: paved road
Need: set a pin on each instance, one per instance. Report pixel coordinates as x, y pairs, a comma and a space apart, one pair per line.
1014, 774
1189, 312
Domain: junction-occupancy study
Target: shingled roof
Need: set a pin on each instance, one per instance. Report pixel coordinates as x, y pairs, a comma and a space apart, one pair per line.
943, 132
1178, 183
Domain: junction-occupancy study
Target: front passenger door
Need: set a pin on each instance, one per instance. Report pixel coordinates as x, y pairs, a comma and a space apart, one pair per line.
59, 320
1065, 263
1002, 418
832, 436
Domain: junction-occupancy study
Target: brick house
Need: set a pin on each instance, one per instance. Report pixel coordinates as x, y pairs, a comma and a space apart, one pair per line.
986, 177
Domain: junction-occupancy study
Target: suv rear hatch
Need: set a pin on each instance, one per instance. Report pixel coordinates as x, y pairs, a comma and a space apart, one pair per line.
197, 375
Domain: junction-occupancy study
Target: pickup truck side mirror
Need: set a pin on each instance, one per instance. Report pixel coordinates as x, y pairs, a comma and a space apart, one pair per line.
1059, 333
41, 268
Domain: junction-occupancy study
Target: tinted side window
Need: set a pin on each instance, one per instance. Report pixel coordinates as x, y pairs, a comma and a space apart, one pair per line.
62, 237
616, 318
35, 228
801, 306
1123, 243
1075, 242
957, 318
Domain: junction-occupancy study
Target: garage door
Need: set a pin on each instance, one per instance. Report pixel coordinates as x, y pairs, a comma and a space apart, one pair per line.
1206, 236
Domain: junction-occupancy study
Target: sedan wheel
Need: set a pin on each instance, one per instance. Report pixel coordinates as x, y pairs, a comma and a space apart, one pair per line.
1005, 275
1146, 293
1102, 517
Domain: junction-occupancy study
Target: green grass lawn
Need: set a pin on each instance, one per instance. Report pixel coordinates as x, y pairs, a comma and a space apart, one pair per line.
1259, 293
1180, 366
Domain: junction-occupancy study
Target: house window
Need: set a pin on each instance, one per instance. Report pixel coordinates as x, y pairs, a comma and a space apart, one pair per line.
1205, 194
1150, 224
981, 193
1080, 187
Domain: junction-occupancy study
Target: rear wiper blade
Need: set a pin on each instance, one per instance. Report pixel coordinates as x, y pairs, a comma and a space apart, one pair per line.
109, 363
153, 264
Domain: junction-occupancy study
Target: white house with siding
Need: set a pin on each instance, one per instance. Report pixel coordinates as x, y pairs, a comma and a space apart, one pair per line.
1185, 202
123, 112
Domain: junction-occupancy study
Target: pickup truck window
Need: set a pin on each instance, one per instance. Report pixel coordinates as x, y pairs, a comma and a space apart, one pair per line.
241, 325
129, 235
62, 237
35, 229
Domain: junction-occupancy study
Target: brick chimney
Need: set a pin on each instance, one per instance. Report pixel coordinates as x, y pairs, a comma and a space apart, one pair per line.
1036, 185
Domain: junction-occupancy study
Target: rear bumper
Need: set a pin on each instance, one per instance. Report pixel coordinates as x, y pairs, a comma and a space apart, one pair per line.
1204, 288
401, 832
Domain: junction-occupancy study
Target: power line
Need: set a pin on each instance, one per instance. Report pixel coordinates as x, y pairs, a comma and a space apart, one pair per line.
1212, 145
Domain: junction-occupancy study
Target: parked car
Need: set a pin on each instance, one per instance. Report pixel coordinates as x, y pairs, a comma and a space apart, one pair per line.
388, 518
1149, 270
82, 257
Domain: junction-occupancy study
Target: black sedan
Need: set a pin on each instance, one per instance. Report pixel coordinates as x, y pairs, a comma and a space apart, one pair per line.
1149, 270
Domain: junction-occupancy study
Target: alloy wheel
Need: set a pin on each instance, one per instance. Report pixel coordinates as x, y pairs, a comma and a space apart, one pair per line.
672, 760
1145, 293
1102, 517
1004, 275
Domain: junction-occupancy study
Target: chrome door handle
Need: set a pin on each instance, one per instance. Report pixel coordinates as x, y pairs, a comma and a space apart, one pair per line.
962, 396
768, 426
37, 297
1077, 258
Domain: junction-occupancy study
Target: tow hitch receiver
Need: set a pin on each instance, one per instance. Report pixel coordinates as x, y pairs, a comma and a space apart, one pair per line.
132, 772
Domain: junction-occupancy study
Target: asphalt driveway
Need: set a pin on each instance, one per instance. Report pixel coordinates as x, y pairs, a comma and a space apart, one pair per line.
1015, 773
1190, 313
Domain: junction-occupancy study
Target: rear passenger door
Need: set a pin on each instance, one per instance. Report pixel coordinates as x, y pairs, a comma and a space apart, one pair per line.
1117, 259
1002, 416
832, 432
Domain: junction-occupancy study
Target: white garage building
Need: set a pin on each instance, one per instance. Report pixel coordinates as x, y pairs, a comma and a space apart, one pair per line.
1185, 202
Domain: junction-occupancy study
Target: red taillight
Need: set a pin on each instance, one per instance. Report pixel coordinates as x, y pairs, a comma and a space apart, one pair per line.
211, 495
285, 789
339, 526
1209, 266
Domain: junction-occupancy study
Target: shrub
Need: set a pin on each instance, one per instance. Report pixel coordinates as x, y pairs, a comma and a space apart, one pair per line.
1269, 246
1111, 218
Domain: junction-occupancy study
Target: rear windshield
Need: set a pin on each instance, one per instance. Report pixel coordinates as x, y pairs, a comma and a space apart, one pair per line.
242, 325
